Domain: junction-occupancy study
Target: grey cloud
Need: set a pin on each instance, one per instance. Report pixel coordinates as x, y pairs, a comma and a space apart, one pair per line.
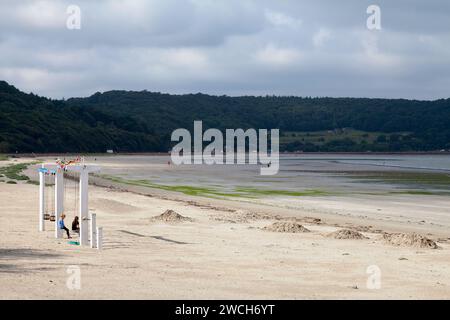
319, 48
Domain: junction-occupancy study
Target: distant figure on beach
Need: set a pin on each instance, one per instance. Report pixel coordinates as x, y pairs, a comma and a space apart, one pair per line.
76, 225
62, 226
168, 163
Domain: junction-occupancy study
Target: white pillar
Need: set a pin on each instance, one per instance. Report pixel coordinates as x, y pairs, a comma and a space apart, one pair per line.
41, 199
93, 229
99, 238
59, 200
84, 214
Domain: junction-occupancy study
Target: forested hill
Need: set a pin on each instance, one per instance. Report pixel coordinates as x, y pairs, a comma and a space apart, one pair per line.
143, 121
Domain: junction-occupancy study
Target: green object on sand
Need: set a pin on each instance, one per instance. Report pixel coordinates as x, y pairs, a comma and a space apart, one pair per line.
75, 243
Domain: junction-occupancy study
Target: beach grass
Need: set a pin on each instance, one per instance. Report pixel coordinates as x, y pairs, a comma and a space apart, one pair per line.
267, 192
422, 192
14, 171
239, 192
3, 157
188, 190
411, 179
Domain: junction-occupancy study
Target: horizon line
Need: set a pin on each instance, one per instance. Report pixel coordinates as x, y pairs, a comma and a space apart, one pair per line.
267, 95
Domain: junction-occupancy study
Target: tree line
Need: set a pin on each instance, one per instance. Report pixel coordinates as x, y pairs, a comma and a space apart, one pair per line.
130, 121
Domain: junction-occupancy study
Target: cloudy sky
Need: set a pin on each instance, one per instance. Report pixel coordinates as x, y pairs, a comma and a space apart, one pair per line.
234, 47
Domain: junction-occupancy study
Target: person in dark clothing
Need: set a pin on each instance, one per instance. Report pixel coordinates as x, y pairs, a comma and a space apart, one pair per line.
76, 225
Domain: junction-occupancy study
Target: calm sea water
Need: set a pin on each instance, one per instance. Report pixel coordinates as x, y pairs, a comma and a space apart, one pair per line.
327, 172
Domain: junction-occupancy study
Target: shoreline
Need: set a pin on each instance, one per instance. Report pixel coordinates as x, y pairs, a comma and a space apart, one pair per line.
223, 250
103, 154
233, 205
310, 210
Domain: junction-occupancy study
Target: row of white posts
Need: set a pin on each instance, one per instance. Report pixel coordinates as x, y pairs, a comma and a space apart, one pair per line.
92, 238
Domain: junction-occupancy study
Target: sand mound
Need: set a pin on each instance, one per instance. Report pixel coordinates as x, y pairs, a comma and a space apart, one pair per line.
346, 234
409, 240
292, 227
171, 216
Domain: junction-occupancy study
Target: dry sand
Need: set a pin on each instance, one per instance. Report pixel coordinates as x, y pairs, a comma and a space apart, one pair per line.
222, 253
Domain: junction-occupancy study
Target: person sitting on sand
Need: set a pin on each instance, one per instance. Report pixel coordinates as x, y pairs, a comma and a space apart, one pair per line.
61, 225
76, 225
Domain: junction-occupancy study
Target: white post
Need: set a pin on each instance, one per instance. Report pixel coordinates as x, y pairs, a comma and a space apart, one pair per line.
41, 199
99, 238
59, 200
93, 230
84, 226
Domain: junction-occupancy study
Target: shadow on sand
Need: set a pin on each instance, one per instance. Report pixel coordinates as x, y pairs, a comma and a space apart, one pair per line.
11, 255
153, 237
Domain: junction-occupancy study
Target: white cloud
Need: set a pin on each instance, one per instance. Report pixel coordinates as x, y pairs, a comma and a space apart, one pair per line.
187, 58
279, 57
279, 19
41, 14
321, 36
375, 57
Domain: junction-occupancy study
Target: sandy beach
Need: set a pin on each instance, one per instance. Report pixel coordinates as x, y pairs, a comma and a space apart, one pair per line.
224, 251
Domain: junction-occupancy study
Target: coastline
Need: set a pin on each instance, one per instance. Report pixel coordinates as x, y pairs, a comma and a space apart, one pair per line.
102, 154
310, 211
224, 252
